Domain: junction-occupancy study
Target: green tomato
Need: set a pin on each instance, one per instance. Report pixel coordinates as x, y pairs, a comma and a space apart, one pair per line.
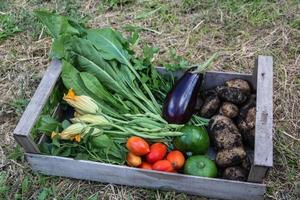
200, 166
195, 140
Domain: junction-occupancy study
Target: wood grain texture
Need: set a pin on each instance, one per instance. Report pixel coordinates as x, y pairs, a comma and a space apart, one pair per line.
88, 170
257, 174
264, 112
213, 79
35, 106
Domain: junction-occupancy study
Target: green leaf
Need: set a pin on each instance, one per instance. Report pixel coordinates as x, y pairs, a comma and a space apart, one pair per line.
90, 60
110, 44
25, 185
65, 124
44, 194
56, 24
47, 124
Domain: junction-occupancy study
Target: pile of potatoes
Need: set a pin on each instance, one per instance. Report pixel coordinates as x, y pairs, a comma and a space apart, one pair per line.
231, 108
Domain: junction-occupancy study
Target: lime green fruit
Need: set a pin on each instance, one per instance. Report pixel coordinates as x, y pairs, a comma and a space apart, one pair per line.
200, 166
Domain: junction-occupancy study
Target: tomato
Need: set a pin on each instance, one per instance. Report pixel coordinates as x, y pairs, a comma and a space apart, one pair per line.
176, 158
137, 146
195, 140
145, 165
163, 165
200, 166
133, 160
157, 152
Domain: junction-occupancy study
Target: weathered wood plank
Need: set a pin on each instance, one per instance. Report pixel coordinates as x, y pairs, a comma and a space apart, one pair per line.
88, 170
213, 79
264, 112
35, 106
257, 173
263, 154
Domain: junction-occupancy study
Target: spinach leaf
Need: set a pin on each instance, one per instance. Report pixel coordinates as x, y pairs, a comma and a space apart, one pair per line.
48, 124
58, 25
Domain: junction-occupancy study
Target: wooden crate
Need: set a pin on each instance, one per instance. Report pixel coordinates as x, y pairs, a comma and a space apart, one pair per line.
262, 81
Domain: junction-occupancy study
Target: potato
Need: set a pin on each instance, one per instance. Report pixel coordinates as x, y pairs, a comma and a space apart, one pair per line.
230, 157
225, 139
229, 110
210, 106
224, 133
231, 94
239, 84
251, 102
246, 163
235, 173
219, 122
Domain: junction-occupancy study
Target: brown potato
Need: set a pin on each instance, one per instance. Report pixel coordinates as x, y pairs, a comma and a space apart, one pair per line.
225, 139
239, 84
235, 173
246, 163
251, 102
231, 94
229, 110
224, 133
210, 106
230, 157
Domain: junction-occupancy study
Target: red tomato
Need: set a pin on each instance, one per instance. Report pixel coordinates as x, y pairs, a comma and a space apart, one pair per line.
145, 165
133, 160
157, 152
137, 146
176, 158
163, 165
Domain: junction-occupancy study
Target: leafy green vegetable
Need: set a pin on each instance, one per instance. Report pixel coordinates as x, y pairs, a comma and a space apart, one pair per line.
124, 91
48, 124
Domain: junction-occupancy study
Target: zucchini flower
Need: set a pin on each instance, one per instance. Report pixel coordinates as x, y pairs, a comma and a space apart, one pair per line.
91, 119
74, 132
82, 103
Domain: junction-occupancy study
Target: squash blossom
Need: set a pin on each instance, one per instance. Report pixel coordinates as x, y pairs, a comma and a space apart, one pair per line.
81, 103
91, 119
74, 132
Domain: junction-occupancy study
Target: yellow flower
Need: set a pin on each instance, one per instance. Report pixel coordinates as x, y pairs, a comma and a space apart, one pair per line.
76, 138
73, 132
91, 119
82, 103
53, 134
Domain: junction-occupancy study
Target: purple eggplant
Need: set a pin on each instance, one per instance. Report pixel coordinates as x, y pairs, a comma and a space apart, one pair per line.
180, 102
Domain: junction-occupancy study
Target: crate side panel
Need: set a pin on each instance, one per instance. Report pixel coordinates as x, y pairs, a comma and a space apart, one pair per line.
88, 170
22, 132
214, 79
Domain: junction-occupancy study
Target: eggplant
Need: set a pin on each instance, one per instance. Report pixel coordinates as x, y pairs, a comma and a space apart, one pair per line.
180, 102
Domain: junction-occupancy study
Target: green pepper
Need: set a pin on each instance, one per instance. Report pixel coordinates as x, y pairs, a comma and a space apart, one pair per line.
195, 140
200, 166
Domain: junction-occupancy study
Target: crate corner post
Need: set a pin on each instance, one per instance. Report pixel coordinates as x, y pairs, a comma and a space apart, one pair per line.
263, 153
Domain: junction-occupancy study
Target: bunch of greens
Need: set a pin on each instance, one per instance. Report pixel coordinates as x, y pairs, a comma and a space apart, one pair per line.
115, 93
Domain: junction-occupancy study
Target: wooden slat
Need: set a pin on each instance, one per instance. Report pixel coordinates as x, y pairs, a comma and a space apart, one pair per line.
263, 154
88, 170
264, 112
257, 173
213, 79
35, 106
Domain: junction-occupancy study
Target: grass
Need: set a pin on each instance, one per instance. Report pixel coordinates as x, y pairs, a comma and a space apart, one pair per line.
239, 30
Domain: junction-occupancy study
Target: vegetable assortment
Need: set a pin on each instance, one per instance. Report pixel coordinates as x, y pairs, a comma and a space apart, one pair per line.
120, 110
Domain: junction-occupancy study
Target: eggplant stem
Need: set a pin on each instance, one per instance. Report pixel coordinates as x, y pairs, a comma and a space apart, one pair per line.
203, 67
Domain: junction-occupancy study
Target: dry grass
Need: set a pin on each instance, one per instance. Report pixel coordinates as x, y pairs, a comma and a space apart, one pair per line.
239, 31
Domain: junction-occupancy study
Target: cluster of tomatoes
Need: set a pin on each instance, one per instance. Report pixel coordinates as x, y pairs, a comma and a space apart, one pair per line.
154, 157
